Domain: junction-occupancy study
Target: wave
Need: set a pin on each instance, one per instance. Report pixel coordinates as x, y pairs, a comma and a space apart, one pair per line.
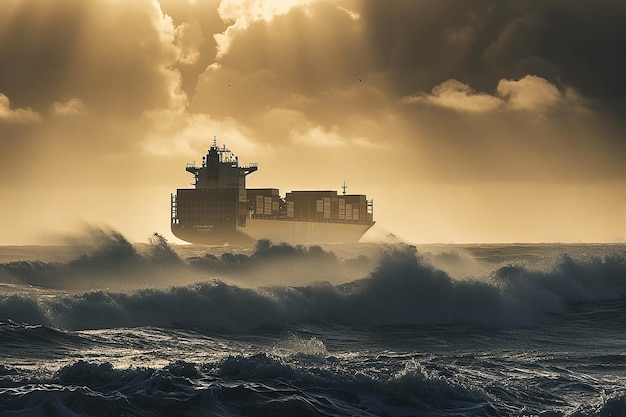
263, 384
403, 289
255, 384
110, 261
20, 339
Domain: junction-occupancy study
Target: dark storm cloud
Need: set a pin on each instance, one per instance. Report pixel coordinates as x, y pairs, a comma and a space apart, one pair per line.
577, 43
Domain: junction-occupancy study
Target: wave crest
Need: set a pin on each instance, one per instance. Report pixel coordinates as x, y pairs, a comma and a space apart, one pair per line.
402, 290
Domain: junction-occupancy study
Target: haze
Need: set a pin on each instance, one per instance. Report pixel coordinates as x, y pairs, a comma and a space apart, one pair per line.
465, 121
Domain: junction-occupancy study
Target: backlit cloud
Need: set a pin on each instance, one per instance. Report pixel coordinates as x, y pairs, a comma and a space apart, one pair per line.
19, 115
178, 133
457, 96
242, 13
73, 106
189, 39
530, 94
317, 136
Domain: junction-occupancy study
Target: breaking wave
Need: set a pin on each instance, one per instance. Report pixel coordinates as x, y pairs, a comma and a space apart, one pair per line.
402, 289
107, 258
108, 261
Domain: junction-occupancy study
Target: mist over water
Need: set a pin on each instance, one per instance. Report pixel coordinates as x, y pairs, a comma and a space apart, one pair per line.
113, 283
362, 329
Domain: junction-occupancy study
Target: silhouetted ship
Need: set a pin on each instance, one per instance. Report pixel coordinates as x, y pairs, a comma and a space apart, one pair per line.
220, 209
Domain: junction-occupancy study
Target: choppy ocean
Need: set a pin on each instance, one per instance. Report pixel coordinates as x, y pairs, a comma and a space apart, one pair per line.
100, 327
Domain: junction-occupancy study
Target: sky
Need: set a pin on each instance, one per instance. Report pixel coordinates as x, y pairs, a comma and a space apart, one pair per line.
466, 121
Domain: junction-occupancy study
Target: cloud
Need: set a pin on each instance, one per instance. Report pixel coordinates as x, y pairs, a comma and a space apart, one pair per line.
179, 133
317, 136
457, 96
20, 116
120, 57
242, 13
73, 106
188, 39
353, 15
530, 94
578, 43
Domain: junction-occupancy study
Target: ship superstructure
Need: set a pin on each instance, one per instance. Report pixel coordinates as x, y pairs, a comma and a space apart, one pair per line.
220, 209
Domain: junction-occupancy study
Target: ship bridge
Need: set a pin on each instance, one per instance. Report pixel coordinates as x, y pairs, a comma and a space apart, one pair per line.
220, 169
219, 201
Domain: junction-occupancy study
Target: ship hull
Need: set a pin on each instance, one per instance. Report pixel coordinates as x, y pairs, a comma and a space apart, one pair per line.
211, 236
289, 231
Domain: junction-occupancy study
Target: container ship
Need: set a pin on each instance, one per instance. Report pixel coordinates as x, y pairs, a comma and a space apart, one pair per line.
221, 210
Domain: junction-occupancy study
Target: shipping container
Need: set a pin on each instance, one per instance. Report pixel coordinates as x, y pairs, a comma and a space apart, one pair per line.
217, 206
264, 203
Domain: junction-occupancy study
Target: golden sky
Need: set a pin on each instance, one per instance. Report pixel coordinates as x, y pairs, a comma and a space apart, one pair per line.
464, 120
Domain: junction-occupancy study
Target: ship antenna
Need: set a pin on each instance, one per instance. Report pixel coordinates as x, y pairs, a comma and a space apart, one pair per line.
344, 186
215, 141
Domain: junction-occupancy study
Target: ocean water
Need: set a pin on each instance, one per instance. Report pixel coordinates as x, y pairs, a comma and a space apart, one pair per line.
101, 327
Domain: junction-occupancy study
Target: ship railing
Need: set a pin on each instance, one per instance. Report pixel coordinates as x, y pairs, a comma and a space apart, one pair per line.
250, 168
